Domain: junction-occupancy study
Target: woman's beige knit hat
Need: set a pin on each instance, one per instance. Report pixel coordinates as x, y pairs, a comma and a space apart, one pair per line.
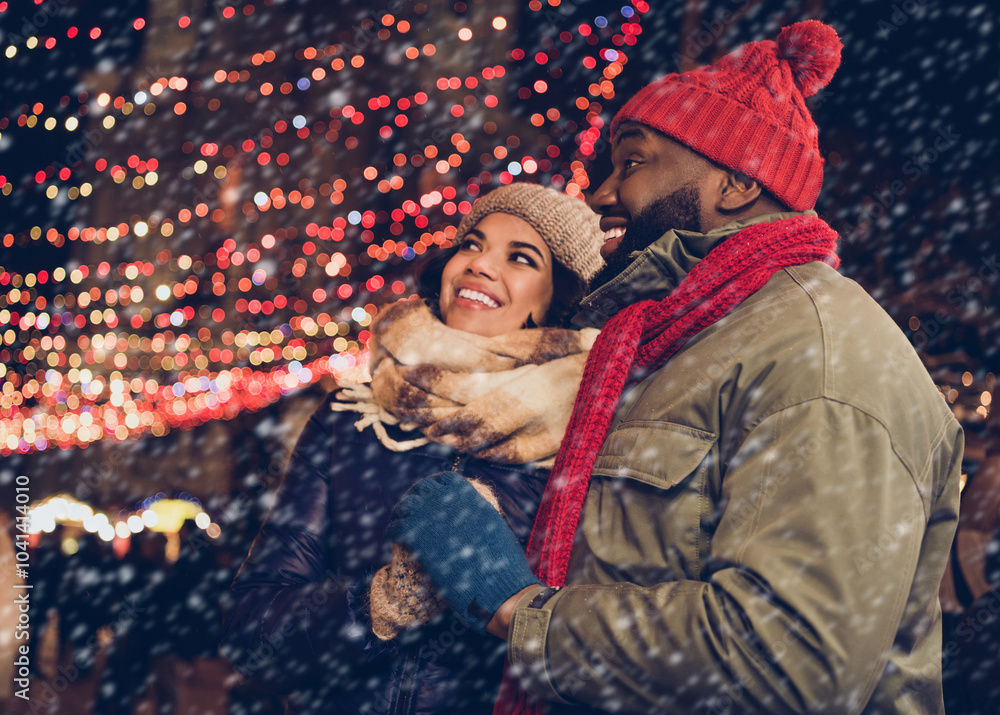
567, 225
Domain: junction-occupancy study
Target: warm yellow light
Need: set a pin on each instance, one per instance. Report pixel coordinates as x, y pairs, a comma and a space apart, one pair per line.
171, 513
70, 546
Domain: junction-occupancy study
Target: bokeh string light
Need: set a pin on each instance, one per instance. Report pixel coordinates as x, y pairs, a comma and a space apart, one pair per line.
158, 512
114, 349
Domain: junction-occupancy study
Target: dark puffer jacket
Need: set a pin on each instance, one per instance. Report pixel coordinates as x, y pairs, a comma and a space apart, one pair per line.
297, 619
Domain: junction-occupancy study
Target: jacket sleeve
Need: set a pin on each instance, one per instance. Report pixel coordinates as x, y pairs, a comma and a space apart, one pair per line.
813, 558
293, 613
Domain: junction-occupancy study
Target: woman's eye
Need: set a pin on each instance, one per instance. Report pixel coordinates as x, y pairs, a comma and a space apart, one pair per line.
524, 259
468, 244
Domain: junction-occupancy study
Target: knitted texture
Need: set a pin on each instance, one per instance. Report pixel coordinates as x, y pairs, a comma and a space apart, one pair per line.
747, 111
505, 398
567, 225
642, 337
402, 594
466, 547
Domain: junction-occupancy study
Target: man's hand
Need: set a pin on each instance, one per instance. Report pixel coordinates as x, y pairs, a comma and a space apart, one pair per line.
499, 625
465, 546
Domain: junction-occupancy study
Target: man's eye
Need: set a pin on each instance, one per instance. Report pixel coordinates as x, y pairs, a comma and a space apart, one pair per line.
628, 164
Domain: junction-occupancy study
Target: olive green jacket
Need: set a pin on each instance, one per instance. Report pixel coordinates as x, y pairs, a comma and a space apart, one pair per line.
768, 519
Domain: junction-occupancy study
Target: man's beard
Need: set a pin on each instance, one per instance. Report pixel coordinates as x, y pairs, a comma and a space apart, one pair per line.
680, 211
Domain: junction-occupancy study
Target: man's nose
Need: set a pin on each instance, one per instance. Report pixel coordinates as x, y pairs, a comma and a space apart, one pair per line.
605, 198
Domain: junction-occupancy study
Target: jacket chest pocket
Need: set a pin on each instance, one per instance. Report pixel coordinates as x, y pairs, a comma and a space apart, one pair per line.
644, 514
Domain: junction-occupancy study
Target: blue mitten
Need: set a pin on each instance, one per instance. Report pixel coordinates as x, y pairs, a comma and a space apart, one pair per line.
465, 546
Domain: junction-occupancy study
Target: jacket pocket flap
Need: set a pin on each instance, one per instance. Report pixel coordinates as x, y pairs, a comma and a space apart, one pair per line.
661, 454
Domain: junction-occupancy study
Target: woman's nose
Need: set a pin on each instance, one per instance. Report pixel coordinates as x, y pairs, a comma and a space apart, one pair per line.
484, 264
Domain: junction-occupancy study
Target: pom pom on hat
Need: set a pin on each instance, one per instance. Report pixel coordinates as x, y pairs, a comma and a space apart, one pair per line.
812, 50
747, 111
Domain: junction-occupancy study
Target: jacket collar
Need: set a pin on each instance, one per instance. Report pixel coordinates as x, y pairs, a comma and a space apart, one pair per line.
659, 268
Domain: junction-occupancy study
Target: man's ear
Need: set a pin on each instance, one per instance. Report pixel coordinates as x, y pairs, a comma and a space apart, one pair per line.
736, 192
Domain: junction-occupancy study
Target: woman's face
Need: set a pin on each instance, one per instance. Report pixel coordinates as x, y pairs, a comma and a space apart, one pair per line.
501, 275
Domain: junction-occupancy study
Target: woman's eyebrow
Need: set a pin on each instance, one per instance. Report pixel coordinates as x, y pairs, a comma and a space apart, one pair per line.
528, 246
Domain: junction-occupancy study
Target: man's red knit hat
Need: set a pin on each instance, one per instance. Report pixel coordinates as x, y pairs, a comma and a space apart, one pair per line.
747, 111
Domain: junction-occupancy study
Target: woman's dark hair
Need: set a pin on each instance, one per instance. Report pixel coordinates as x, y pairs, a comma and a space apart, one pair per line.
568, 289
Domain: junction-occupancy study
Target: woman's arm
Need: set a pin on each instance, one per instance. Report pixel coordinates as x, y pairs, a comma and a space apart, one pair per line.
294, 614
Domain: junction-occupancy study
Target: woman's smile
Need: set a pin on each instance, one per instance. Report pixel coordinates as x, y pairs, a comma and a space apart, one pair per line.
499, 280
475, 298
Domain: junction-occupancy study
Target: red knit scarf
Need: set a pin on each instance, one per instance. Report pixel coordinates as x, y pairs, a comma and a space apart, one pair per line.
643, 337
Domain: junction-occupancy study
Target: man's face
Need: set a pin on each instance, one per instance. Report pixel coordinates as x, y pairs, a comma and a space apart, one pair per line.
655, 186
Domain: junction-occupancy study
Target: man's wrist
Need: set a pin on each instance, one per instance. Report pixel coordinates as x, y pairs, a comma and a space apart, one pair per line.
499, 625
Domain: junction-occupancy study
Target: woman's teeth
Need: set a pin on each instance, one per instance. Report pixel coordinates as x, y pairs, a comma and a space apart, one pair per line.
475, 295
613, 233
